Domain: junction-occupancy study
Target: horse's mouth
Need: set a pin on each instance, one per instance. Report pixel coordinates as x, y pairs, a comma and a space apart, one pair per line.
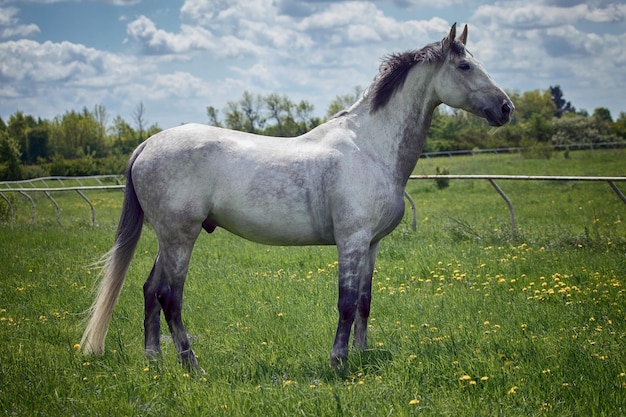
501, 116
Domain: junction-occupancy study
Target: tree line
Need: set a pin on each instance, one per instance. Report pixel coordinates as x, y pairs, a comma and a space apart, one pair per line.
89, 143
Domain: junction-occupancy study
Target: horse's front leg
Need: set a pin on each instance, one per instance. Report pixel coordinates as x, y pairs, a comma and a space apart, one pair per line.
353, 263
364, 301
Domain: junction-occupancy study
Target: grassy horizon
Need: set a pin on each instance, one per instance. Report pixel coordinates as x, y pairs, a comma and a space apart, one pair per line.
466, 318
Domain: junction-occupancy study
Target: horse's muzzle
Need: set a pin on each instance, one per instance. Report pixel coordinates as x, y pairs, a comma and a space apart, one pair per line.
500, 116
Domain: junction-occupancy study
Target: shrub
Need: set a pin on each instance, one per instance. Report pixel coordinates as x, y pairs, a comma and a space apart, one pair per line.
442, 182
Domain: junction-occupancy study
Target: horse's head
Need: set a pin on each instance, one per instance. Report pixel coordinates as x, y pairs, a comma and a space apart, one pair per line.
463, 83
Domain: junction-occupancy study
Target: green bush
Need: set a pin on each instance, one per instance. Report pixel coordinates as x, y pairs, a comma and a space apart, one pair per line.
442, 182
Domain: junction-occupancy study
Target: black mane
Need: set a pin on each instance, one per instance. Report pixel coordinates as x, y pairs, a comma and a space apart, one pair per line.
395, 68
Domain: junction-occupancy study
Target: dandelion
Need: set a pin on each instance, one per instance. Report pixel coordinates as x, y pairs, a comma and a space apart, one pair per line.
76, 346
512, 391
465, 378
484, 378
414, 401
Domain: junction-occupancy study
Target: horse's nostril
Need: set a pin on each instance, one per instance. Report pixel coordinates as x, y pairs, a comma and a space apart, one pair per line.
506, 109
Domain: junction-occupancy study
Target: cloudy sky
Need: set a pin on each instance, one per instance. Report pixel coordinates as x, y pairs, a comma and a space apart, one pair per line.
178, 57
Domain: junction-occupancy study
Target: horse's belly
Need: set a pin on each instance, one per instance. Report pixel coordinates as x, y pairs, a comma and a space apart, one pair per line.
275, 228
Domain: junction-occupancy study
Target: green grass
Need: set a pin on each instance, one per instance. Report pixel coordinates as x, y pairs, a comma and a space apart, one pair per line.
467, 319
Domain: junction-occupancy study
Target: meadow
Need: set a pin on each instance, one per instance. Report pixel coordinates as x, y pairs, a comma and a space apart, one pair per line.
467, 318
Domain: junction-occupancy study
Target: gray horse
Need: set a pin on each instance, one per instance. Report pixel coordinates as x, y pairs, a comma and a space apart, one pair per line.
340, 184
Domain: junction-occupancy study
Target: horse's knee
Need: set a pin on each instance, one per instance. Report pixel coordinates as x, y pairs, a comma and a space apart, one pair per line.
364, 304
171, 301
347, 307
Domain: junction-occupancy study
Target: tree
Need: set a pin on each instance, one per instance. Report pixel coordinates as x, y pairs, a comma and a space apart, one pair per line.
212, 113
18, 130
562, 106
38, 143
343, 102
533, 102
250, 106
75, 135
603, 115
279, 109
538, 129
304, 111
574, 129
140, 119
271, 115
101, 116
234, 117
10, 153
619, 126
124, 137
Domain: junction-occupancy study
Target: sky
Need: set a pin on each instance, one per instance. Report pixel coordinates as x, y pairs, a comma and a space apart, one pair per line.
178, 57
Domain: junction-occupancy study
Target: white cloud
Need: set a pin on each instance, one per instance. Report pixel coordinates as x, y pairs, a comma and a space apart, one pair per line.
157, 41
10, 26
363, 23
7, 16
71, 76
306, 49
532, 16
428, 3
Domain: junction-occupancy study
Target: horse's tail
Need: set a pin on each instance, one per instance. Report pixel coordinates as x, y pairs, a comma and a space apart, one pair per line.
116, 263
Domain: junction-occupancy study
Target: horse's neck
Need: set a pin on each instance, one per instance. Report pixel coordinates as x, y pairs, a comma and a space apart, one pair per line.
398, 130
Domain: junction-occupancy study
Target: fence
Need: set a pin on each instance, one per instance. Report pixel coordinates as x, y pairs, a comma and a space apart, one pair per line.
492, 180
496, 151
18, 187
42, 185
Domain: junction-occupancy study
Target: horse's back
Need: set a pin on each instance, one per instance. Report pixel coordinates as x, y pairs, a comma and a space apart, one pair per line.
266, 189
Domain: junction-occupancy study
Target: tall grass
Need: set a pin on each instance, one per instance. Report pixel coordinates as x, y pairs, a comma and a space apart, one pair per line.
467, 319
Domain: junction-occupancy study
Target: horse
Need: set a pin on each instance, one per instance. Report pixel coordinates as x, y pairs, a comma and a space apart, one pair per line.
342, 184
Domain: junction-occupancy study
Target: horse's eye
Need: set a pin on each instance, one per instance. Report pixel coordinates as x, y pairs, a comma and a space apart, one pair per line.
464, 66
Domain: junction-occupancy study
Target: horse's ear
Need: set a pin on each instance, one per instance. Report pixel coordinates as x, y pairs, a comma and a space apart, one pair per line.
446, 43
463, 37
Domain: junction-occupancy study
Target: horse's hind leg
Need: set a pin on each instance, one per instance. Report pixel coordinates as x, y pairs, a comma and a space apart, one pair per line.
166, 284
152, 320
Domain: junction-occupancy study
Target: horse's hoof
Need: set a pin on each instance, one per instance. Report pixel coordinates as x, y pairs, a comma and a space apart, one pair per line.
153, 354
337, 362
189, 361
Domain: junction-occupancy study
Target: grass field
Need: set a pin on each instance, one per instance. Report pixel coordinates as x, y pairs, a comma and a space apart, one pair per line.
467, 319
